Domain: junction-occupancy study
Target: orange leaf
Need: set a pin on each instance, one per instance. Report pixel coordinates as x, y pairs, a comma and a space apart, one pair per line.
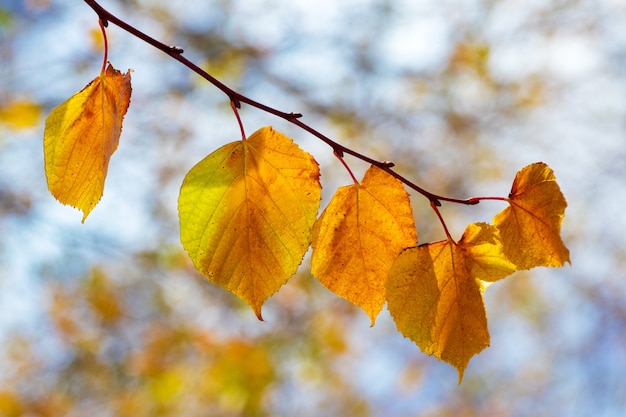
81, 135
246, 213
359, 235
530, 227
435, 293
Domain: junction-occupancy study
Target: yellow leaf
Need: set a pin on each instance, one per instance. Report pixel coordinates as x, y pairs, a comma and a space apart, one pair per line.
530, 227
482, 250
20, 114
246, 213
81, 135
359, 235
435, 293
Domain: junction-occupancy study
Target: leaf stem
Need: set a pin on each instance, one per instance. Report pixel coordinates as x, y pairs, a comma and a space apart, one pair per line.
478, 199
236, 98
233, 106
339, 156
103, 25
443, 223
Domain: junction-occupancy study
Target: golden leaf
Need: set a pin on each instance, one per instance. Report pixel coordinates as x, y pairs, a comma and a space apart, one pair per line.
81, 135
435, 293
359, 235
530, 226
246, 213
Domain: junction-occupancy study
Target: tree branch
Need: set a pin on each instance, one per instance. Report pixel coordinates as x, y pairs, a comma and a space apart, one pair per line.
237, 98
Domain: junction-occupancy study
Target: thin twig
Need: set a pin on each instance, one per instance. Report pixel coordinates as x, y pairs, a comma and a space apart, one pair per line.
105, 57
237, 98
233, 106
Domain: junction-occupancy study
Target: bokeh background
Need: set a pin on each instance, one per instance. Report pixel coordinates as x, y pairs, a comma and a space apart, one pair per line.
109, 318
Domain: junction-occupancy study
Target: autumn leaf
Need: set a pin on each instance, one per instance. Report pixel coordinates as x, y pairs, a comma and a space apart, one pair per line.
530, 226
359, 235
435, 293
81, 135
246, 213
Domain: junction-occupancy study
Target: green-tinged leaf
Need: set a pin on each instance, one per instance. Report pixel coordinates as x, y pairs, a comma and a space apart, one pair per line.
246, 213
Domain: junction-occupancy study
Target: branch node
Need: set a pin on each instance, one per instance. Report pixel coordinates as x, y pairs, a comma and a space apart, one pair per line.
176, 49
338, 152
388, 164
294, 115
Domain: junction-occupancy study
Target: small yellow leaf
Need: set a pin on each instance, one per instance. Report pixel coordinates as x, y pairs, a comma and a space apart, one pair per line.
530, 226
81, 135
435, 293
246, 213
20, 114
359, 235
483, 252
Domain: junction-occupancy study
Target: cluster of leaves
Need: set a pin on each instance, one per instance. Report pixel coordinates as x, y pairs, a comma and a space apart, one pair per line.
249, 212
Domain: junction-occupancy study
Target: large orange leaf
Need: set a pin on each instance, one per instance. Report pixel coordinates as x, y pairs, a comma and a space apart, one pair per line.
246, 213
359, 235
530, 226
435, 293
81, 135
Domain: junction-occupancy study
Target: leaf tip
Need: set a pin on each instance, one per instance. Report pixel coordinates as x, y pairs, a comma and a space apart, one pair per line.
258, 314
85, 214
460, 371
460, 364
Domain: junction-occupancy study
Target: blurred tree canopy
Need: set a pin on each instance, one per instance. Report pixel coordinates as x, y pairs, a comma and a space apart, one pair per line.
110, 318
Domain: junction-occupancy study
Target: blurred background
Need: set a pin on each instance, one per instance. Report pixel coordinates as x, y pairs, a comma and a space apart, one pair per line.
109, 318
